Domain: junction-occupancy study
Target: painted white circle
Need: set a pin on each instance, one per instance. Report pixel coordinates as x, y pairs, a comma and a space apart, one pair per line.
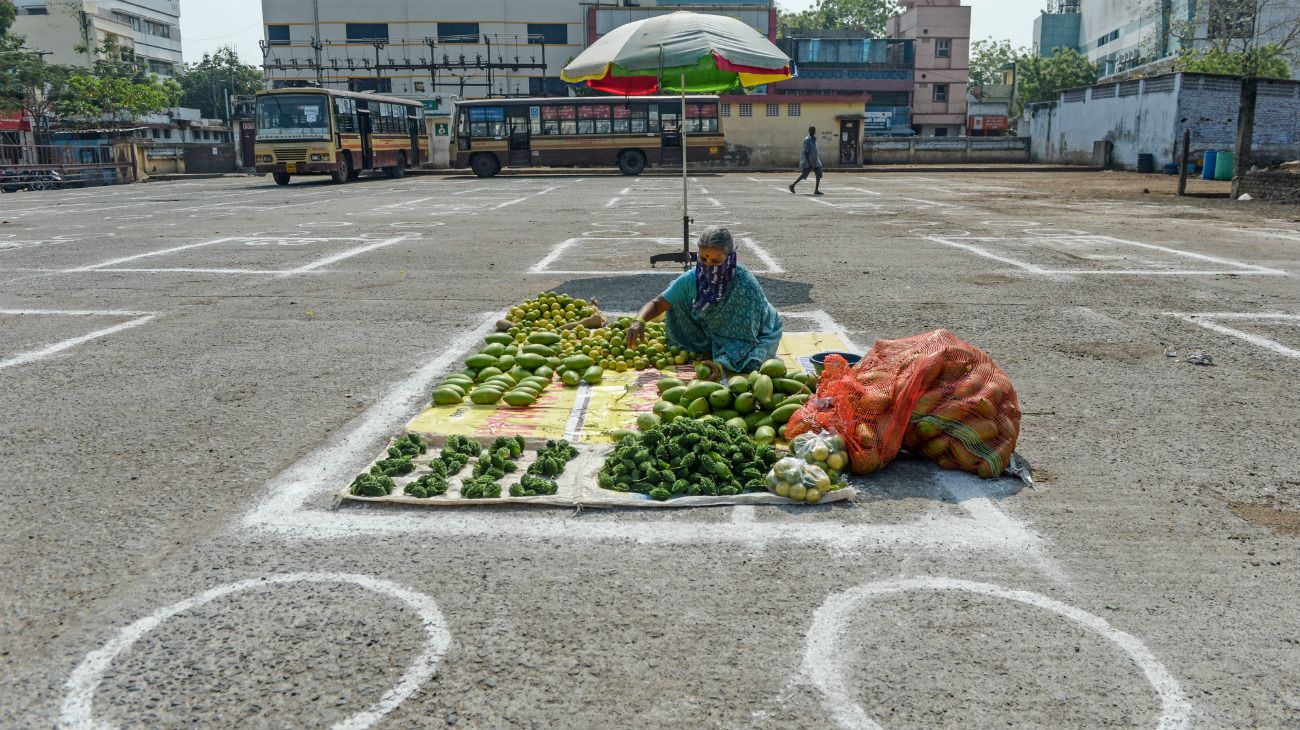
610, 233
1055, 232
616, 224
417, 224
1012, 224
326, 224
78, 712
829, 623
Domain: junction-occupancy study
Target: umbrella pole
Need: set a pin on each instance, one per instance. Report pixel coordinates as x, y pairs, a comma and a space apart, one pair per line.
686, 215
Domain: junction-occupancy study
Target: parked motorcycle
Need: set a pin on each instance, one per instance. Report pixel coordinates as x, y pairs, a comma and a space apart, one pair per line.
11, 181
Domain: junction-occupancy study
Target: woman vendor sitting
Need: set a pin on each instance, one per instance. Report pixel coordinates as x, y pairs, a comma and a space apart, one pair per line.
718, 308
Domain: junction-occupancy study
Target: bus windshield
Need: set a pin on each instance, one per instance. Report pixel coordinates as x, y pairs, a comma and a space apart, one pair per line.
293, 116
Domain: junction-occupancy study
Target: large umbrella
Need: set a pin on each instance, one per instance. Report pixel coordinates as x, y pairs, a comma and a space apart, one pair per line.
679, 52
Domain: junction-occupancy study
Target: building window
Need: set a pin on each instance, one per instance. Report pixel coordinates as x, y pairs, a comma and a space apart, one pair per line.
726, 109
943, 48
746, 110
419, 87
458, 33
367, 32
795, 109
547, 86
552, 34
774, 110
38, 11
277, 35
941, 132
941, 93
370, 83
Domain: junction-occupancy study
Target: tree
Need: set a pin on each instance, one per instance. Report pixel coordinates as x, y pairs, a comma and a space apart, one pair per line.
204, 85
1264, 61
869, 15
988, 58
7, 14
1042, 79
116, 89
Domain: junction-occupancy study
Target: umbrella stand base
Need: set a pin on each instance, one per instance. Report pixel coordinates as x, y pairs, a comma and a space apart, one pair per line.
679, 257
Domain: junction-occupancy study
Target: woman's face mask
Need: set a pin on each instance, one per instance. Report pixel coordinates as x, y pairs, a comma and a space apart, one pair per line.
712, 257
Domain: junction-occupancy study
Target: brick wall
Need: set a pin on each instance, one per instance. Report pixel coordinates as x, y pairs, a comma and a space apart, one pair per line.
1208, 105
1279, 187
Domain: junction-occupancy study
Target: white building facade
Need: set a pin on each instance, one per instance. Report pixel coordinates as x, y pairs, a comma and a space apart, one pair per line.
149, 29
437, 51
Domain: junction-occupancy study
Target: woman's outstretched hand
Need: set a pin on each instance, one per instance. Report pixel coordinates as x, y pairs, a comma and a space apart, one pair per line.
635, 333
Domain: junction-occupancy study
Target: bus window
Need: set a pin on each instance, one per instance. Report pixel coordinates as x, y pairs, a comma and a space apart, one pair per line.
622, 119
568, 119
293, 116
593, 119
345, 114
487, 121
602, 119
653, 110
550, 119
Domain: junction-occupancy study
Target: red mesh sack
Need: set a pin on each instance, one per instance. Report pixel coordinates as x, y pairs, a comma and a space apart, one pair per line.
934, 394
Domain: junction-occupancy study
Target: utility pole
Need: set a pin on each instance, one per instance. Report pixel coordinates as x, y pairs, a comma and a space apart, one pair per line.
1245, 131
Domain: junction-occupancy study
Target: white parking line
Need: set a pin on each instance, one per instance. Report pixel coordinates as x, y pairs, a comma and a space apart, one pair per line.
40, 353
1208, 321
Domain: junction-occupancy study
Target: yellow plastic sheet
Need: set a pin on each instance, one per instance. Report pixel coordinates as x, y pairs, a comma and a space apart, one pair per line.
588, 414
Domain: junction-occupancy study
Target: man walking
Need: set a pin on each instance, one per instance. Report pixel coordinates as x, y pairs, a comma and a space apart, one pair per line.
810, 162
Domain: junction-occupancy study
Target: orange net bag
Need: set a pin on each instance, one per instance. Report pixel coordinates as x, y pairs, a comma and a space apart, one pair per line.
933, 394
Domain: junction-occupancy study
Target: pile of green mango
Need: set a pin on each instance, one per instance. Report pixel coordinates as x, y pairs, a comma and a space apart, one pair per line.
504, 372
760, 403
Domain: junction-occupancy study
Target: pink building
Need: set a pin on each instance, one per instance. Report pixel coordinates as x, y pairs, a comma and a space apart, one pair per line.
941, 29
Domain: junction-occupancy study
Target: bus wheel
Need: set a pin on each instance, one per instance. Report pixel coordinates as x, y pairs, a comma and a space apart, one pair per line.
398, 170
281, 178
485, 165
631, 162
344, 171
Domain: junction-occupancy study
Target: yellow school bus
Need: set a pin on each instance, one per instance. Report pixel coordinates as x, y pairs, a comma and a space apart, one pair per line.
315, 131
629, 133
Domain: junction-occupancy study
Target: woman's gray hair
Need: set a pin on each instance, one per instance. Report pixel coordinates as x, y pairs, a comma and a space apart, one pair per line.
720, 238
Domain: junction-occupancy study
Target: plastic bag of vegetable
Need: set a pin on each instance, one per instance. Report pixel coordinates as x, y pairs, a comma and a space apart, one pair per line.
796, 479
938, 395
822, 449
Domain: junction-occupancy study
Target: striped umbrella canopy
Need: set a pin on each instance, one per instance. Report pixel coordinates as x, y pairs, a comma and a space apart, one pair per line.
713, 53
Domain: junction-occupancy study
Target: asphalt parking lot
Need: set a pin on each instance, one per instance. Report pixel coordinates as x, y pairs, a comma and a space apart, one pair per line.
192, 370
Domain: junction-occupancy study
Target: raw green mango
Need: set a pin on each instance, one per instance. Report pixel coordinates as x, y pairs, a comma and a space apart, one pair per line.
789, 387
462, 380
542, 350
674, 414
457, 387
752, 378
495, 349
544, 338
447, 397
726, 415
774, 368
571, 378
698, 408
505, 362
745, 403
480, 361
666, 384
780, 433
782, 415
699, 389
797, 399
486, 373
720, 399
662, 407
486, 396
545, 372
674, 395
539, 382
738, 384
703, 372
619, 434
511, 350
738, 423
470, 373
519, 398
530, 361
500, 338
578, 362
594, 375
502, 380
518, 373
765, 422
647, 421
765, 435
763, 390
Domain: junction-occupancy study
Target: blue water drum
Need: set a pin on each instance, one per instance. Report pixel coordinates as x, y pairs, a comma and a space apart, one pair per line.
1207, 172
